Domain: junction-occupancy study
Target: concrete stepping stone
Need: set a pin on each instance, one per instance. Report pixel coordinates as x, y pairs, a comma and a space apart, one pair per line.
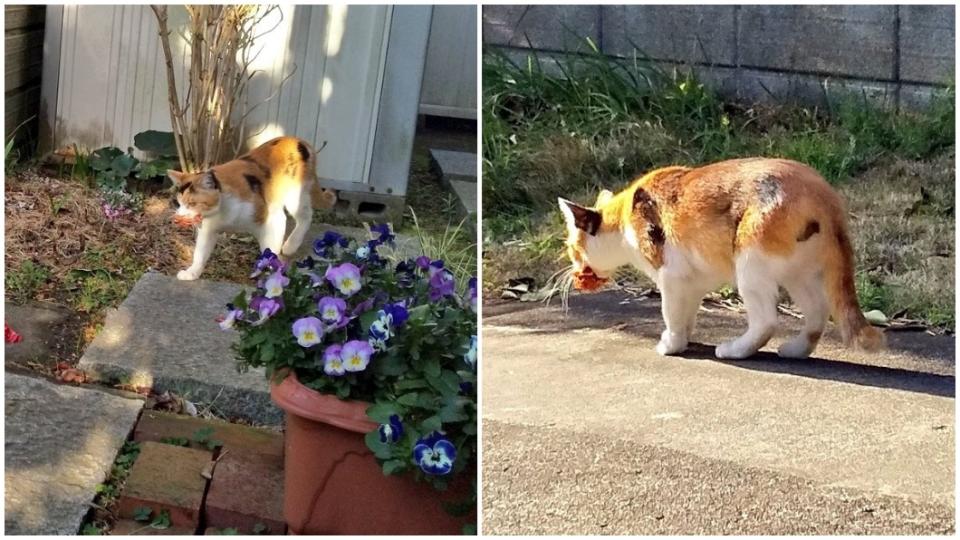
165, 336
167, 477
246, 494
60, 442
160, 426
458, 170
37, 324
454, 165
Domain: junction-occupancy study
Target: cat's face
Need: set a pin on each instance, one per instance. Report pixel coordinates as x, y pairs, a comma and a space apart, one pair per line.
197, 193
591, 269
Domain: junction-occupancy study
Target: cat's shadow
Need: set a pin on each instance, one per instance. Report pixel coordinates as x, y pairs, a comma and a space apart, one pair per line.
834, 370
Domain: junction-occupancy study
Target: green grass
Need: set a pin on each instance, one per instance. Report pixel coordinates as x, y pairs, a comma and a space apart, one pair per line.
571, 125
23, 283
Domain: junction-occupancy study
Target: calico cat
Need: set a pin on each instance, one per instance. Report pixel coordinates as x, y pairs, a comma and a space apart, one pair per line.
250, 194
760, 223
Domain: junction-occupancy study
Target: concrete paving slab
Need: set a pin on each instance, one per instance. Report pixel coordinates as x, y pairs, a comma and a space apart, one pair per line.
37, 324
60, 442
467, 195
453, 165
164, 336
880, 425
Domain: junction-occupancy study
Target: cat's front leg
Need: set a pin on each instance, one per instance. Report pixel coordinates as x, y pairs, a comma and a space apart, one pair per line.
206, 240
678, 306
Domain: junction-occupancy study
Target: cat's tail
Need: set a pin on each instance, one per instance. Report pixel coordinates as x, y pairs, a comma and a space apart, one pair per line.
838, 273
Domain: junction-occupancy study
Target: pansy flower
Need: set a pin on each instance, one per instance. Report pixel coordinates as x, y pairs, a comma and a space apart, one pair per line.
396, 314
405, 274
472, 294
435, 454
383, 229
308, 330
274, 284
228, 319
363, 252
332, 361
345, 278
307, 262
392, 431
441, 284
325, 245
265, 308
356, 355
422, 262
333, 311
471, 356
267, 261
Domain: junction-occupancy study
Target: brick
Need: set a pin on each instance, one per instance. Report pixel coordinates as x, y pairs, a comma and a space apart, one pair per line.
246, 489
129, 527
157, 425
167, 477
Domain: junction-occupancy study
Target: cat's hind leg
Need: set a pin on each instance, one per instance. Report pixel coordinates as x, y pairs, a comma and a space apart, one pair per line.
758, 288
299, 206
807, 292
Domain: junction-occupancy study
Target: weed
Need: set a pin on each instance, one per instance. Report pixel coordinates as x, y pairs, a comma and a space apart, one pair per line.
23, 283
202, 437
109, 492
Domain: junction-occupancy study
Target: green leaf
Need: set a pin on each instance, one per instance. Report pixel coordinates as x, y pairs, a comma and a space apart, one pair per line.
102, 158
90, 530
142, 513
394, 466
381, 411
158, 143
162, 521
431, 366
432, 424
260, 528
380, 450
202, 435
409, 400
124, 164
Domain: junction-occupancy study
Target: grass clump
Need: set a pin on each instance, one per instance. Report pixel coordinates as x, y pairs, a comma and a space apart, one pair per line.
571, 125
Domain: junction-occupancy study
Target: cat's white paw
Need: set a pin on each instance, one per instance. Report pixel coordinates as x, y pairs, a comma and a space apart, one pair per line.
798, 347
733, 350
671, 343
188, 275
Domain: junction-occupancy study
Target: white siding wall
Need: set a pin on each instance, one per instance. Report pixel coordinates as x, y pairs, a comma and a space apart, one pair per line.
450, 77
112, 81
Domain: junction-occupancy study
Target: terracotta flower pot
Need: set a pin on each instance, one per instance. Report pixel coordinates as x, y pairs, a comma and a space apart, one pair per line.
334, 485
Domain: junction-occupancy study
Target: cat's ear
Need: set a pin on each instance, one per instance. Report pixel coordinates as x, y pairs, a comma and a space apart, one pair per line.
176, 176
580, 218
603, 198
209, 181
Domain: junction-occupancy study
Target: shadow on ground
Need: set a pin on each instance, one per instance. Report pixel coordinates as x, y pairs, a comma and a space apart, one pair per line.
914, 361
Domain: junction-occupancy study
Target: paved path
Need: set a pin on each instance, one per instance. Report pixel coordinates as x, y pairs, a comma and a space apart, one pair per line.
60, 441
587, 430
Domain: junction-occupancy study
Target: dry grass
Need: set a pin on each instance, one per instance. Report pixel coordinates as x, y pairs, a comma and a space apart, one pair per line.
90, 261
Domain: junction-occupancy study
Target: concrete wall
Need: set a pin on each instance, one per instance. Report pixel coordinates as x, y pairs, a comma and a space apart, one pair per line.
22, 63
755, 53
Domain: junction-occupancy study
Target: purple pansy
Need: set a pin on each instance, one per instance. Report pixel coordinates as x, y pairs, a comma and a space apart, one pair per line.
333, 311
274, 284
228, 319
472, 293
332, 361
441, 284
422, 262
383, 229
345, 278
397, 314
356, 355
265, 307
266, 262
308, 330
325, 245
435, 454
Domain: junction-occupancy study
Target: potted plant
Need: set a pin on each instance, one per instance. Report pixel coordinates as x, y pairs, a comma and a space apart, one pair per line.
373, 359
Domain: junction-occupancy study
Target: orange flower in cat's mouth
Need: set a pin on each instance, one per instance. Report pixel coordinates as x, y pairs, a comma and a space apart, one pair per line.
181, 220
587, 280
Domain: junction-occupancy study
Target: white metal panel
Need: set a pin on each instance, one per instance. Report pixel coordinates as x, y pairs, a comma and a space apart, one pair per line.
112, 81
450, 76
